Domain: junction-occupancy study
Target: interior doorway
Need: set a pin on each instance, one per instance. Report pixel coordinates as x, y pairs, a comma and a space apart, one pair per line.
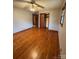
44, 20
35, 20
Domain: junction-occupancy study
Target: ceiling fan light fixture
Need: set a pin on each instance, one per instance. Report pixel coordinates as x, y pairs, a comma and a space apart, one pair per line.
32, 8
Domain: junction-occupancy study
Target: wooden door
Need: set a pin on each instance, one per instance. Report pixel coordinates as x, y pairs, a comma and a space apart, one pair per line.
35, 20
42, 20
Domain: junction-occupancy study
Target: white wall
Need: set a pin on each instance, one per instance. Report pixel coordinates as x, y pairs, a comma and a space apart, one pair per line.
62, 39
21, 20
54, 18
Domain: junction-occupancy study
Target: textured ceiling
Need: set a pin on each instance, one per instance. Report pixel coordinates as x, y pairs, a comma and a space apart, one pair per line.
48, 4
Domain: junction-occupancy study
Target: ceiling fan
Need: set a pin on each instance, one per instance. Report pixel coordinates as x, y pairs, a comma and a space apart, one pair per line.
31, 2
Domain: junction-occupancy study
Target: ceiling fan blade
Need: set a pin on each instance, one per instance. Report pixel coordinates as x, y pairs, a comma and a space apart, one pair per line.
38, 5
24, 1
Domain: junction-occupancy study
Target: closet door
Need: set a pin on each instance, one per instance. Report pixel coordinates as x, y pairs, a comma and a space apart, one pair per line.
42, 20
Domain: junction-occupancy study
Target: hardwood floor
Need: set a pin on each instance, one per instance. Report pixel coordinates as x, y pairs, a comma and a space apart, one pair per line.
36, 44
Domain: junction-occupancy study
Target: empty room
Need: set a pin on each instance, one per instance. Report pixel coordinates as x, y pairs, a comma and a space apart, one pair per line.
39, 29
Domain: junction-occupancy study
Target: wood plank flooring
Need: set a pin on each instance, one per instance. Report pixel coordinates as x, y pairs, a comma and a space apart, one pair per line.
36, 44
